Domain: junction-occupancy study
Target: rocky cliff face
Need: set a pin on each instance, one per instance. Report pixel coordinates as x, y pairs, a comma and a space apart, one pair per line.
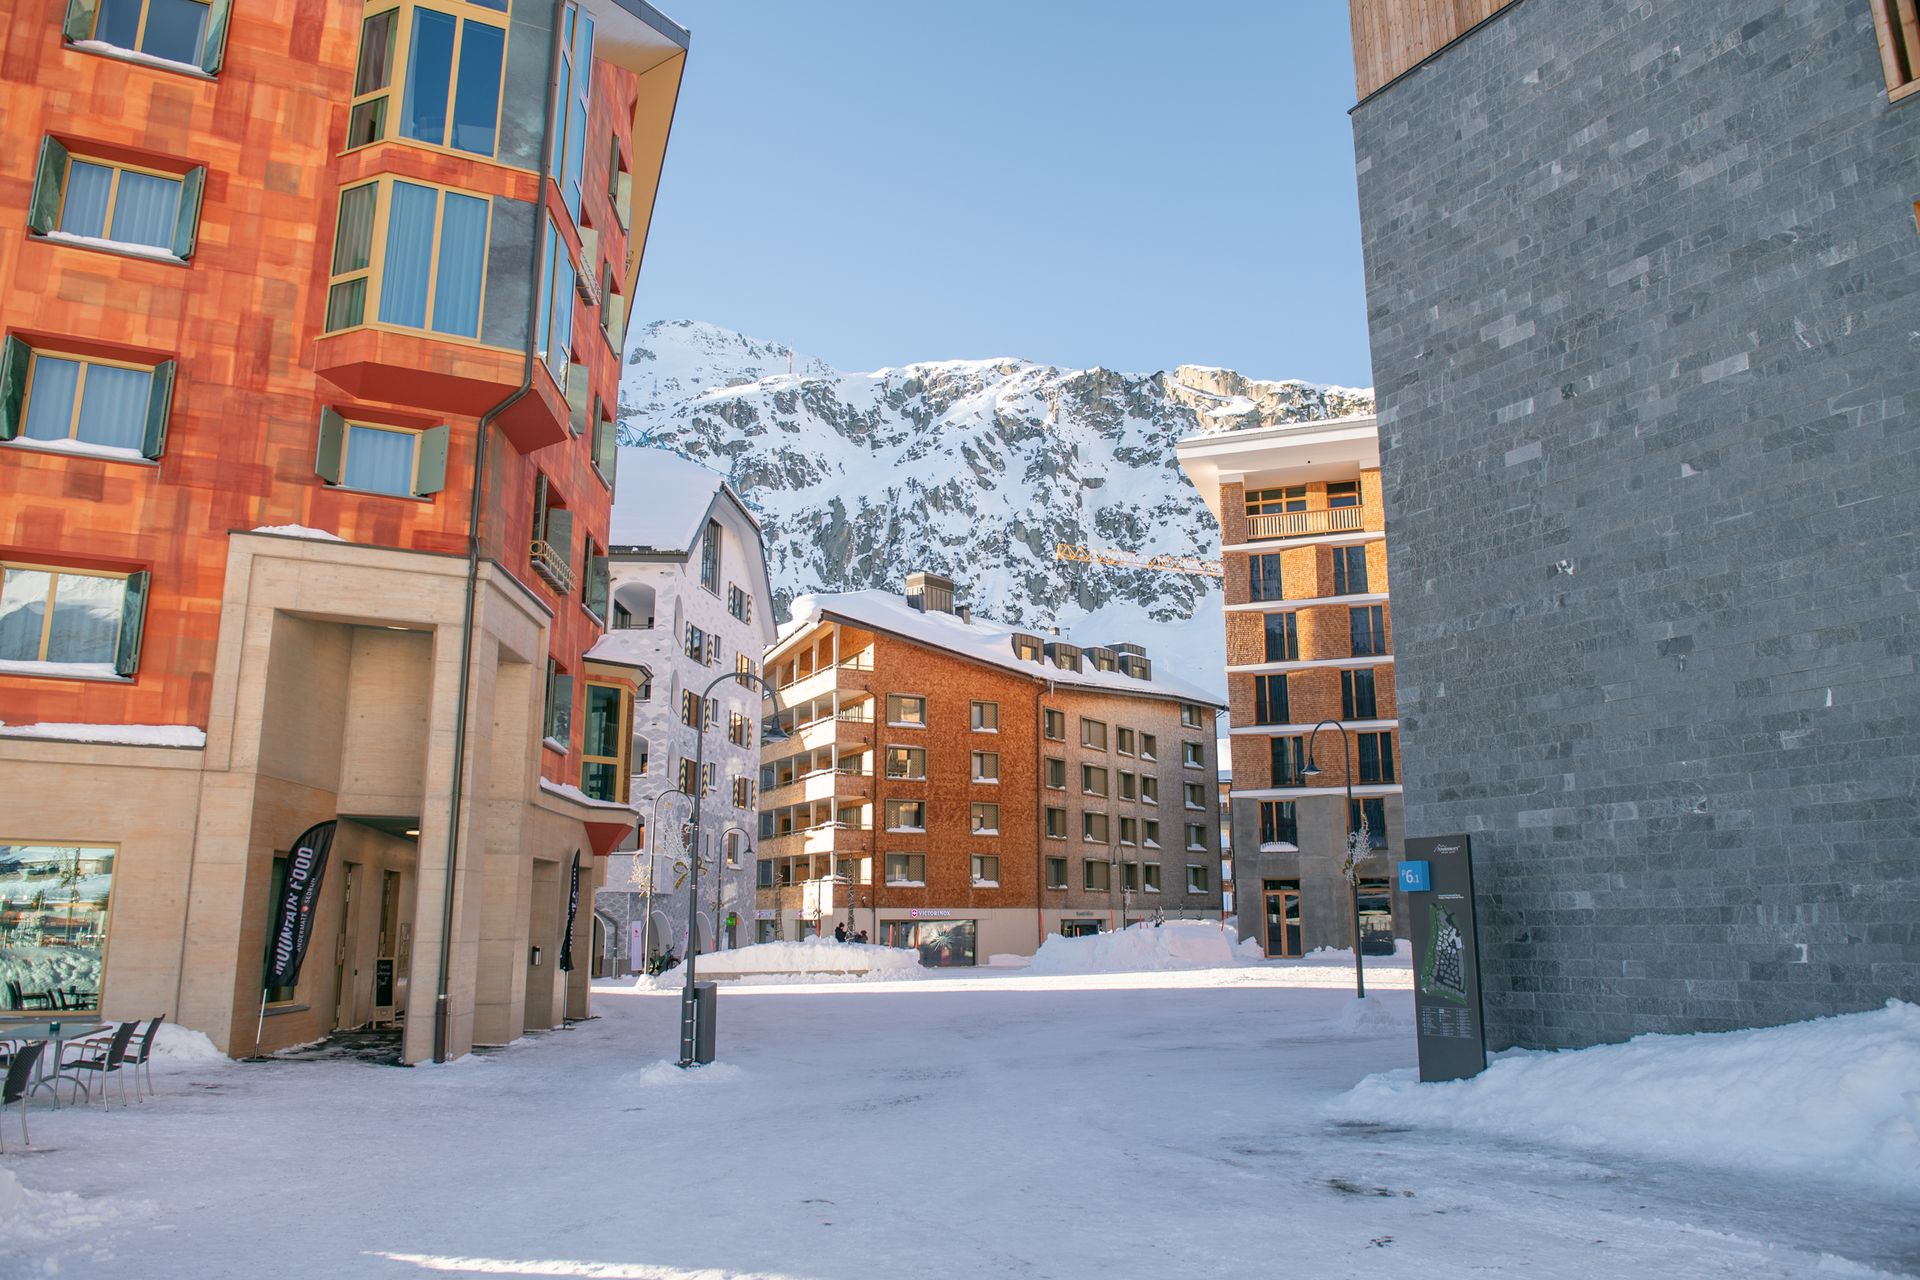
973, 468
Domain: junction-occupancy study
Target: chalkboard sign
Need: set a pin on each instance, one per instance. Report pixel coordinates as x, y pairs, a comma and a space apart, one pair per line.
1446, 961
383, 981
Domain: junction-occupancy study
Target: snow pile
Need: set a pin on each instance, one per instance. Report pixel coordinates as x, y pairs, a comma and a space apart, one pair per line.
1835, 1096
1176, 944
184, 1047
127, 735
810, 957
671, 1075
1379, 1013
29, 1217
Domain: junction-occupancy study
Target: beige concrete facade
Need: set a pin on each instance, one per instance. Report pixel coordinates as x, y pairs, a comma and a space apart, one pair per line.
334, 695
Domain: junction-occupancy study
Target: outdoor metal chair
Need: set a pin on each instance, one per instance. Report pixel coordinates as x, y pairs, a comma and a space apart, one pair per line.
140, 1054
101, 1055
13, 1090
19, 999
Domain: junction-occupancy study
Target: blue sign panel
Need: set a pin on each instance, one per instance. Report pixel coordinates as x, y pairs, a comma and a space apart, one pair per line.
1416, 877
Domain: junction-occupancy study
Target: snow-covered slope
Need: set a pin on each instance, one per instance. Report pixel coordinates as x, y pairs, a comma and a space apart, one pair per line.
972, 468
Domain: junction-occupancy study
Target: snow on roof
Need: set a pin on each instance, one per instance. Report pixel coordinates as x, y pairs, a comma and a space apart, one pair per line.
662, 499
298, 531
131, 735
982, 640
567, 791
634, 646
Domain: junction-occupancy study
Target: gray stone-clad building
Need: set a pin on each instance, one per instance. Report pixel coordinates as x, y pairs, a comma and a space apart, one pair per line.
1644, 288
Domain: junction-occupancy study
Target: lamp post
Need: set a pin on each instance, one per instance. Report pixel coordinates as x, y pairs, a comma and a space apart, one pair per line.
1352, 867
719, 873
688, 1009
653, 829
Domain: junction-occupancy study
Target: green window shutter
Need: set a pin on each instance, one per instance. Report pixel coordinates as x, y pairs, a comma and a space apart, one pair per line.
187, 229
43, 210
333, 439
15, 356
214, 55
539, 506
560, 530
133, 612
597, 585
159, 403
560, 722
430, 469
579, 397
79, 25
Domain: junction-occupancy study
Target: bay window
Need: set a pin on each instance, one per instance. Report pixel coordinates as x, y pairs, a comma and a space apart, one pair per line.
428, 269
454, 54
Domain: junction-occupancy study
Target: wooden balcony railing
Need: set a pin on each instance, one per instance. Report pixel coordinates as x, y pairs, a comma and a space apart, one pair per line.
1300, 524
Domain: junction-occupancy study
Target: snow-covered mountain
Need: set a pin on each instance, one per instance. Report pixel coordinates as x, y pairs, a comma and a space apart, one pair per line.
973, 468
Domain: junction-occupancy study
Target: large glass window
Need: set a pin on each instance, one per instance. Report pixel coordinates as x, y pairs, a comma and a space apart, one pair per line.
1263, 577
70, 618
1357, 698
553, 330
570, 103
431, 265
53, 924
1267, 502
1282, 637
83, 403
603, 774
1270, 703
1288, 761
452, 95
1349, 571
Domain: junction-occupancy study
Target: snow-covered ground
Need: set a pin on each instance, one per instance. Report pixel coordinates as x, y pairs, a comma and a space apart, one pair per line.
999, 1122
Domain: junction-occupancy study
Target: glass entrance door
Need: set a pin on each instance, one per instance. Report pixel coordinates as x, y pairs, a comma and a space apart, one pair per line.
1283, 922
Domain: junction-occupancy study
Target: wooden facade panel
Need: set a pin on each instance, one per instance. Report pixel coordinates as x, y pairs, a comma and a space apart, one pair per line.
1391, 37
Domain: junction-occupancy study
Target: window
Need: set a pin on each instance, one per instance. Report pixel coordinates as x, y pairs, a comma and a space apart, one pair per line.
908, 869
983, 819
1373, 812
1282, 636
1097, 876
986, 717
1376, 756
113, 202
596, 585
986, 766
427, 272
1369, 626
1893, 21
605, 444
1054, 725
1192, 715
855, 870
1357, 700
1270, 704
762, 873
185, 31
1027, 648
742, 792
986, 871
60, 401
737, 729
1093, 781
1197, 878
573, 93
743, 667
1056, 824
551, 550
1263, 577
1149, 746
1349, 571
1093, 734
1129, 786
1093, 827
1193, 755
1343, 493
710, 558
372, 457
86, 622
696, 646
906, 815
1123, 741
559, 718
1129, 831
690, 708
1056, 773
619, 184
906, 710
603, 771
452, 93
1056, 873
906, 762
739, 603
1149, 789
1268, 502
1130, 877
553, 326
1150, 833
1196, 793
1288, 758
1278, 823
1150, 877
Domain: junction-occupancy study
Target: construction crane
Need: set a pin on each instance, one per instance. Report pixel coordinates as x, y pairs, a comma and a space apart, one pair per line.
1191, 565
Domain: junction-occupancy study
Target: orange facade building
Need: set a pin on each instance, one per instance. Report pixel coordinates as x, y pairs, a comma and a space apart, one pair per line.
313, 320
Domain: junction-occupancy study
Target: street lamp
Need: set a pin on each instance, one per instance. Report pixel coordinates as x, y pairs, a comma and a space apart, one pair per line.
653, 831
1352, 867
688, 999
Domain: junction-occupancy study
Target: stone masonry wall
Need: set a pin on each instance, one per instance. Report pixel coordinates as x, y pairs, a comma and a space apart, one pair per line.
1642, 287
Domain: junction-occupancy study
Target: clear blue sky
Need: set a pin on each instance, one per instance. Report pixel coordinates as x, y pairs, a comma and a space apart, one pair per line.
1118, 183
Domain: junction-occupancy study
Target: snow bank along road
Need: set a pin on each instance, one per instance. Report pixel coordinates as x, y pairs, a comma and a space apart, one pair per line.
994, 1124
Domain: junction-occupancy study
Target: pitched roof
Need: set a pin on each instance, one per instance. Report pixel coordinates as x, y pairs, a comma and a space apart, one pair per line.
662, 500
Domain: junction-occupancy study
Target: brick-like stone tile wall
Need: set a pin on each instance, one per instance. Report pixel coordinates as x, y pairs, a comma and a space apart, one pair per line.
1646, 334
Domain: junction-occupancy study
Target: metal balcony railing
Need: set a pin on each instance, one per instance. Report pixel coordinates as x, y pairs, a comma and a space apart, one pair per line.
550, 562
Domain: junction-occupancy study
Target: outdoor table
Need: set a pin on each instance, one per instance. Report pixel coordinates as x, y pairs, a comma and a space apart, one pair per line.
56, 1033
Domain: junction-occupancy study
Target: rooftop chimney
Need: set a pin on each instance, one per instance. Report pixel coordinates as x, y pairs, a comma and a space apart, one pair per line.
930, 592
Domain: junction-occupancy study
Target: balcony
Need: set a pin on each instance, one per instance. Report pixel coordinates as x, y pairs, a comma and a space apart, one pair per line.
550, 562
1303, 524
822, 784
844, 677
828, 837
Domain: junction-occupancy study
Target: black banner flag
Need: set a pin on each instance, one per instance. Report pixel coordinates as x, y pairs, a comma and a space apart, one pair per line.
293, 925
573, 909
